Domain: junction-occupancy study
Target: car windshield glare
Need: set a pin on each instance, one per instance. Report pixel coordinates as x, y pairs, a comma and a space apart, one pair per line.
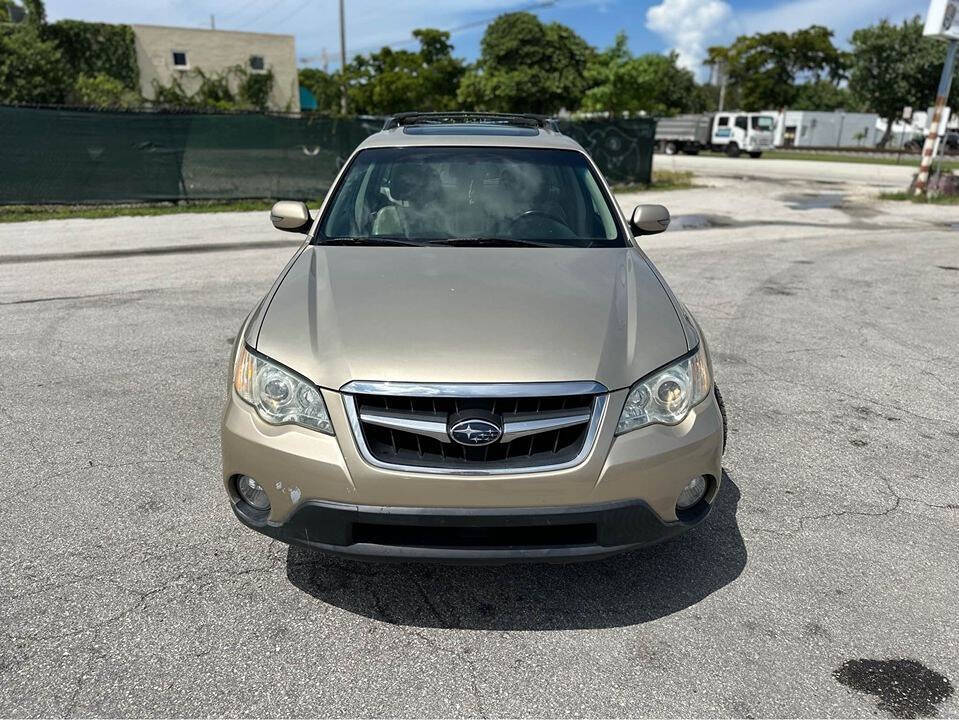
516, 197
763, 122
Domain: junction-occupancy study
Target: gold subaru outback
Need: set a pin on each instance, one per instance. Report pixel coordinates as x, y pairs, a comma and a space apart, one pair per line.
470, 359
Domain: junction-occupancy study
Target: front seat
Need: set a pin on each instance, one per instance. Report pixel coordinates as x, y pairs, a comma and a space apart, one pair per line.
417, 209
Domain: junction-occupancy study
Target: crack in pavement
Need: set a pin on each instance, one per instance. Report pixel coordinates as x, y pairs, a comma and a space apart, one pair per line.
158, 250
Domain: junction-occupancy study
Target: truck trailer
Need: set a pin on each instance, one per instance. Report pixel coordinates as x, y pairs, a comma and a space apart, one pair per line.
729, 132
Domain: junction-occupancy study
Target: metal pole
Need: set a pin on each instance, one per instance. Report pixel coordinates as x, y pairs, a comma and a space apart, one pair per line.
945, 84
342, 60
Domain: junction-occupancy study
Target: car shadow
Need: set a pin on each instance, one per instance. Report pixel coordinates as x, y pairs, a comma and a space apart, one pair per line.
627, 589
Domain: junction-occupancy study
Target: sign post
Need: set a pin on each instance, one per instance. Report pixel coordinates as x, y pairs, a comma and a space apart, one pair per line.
941, 22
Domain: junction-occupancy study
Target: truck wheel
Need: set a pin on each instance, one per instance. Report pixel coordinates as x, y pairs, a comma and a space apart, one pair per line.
755, 155
671, 148
691, 151
722, 411
732, 150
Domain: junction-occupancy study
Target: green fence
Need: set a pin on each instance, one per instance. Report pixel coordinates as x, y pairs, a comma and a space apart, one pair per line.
76, 156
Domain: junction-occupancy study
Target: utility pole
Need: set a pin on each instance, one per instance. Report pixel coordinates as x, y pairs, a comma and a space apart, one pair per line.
342, 60
721, 70
945, 85
212, 22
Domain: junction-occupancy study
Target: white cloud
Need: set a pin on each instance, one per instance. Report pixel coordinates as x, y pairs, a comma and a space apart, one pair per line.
690, 26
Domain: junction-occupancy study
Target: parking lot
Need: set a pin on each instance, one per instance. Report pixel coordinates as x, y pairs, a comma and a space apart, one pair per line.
823, 584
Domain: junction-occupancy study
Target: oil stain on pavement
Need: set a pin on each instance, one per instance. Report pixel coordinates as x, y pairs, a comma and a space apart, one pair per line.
905, 688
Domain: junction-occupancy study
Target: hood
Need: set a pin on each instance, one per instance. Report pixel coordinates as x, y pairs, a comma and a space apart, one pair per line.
454, 314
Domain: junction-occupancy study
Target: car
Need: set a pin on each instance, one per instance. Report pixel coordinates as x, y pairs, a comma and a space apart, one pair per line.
470, 359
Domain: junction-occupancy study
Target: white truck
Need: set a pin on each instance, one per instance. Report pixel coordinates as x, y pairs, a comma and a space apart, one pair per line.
729, 132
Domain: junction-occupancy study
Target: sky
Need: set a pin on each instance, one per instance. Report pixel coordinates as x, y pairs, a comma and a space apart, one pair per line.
686, 26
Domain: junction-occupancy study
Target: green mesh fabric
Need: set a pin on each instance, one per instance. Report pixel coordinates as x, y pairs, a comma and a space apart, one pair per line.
77, 156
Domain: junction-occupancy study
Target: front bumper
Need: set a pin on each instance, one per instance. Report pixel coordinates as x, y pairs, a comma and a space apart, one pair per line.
472, 535
320, 489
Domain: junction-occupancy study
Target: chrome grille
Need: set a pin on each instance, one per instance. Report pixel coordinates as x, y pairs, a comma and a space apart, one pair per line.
544, 426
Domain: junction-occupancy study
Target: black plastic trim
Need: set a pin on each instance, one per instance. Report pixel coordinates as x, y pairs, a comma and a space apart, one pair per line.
619, 526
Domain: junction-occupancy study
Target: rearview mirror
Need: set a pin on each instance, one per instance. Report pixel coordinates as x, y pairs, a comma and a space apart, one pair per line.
291, 216
649, 219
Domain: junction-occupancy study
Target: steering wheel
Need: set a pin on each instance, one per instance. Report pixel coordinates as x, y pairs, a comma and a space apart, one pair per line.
532, 214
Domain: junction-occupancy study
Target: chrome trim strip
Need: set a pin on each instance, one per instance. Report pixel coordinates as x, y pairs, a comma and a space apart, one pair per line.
426, 428
536, 389
600, 403
513, 430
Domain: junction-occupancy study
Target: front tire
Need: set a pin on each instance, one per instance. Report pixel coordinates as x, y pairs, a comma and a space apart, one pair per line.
755, 155
722, 411
732, 150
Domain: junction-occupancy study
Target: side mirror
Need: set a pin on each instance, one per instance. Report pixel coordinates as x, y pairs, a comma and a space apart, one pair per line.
291, 216
649, 219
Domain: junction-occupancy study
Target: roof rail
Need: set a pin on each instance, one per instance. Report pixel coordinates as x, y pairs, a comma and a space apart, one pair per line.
443, 118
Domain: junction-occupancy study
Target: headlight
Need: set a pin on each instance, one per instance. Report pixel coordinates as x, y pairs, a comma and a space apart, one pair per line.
279, 396
667, 397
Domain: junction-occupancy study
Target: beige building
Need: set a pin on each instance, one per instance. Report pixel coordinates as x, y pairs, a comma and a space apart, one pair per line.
165, 53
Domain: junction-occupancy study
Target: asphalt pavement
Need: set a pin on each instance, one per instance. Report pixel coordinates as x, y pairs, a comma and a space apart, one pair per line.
823, 584
879, 176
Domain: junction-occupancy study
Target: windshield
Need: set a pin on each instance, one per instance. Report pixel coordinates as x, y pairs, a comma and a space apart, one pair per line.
762, 122
457, 195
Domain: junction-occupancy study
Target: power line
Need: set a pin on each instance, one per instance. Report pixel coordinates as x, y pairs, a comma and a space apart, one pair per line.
269, 9
238, 10
537, 5
296, 10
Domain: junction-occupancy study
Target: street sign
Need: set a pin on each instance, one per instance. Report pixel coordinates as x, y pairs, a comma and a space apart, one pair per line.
942, 21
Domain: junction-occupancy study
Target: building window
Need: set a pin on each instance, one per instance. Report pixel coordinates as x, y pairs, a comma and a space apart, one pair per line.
257, 63
179, 60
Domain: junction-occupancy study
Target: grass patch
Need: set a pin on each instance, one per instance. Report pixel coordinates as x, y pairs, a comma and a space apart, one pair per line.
922, 199
662, 180
905, 160
23, 213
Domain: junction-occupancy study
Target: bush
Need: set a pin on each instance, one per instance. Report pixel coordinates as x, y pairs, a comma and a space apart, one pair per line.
102, 90
215, 91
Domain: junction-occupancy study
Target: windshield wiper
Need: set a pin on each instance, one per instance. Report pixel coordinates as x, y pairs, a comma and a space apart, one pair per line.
369, 241
489, 242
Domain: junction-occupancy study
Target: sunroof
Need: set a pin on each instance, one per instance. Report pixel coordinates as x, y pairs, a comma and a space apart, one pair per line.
465, 129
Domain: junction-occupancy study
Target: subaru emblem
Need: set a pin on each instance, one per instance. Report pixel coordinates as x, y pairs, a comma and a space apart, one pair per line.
475, 432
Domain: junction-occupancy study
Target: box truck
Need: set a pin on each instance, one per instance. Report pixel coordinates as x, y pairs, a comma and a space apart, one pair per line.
729, 132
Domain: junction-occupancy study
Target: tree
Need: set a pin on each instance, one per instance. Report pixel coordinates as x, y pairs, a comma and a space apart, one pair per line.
894, 66
36, 12
31, 68
326, 88
766, 67
824, 95
650, 83
526, 66
391, 81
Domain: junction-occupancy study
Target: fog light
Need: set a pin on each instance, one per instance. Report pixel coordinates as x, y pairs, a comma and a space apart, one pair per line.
252, 493
692, 493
